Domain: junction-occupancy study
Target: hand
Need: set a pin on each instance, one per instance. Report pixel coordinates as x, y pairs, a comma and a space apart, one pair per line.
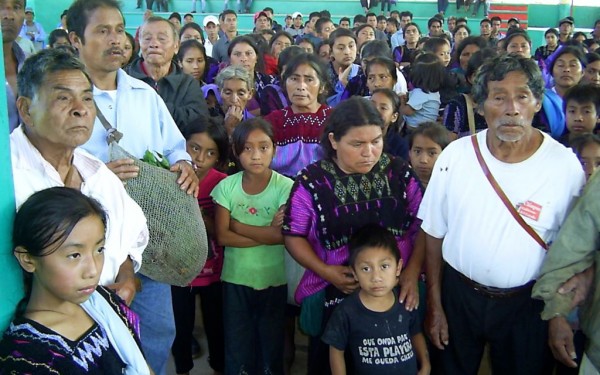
233, 117
436, 326
580, 284
343, 74
560, 339
125, 289
409, 291
187, 180
278, 218
341, 277
124, 169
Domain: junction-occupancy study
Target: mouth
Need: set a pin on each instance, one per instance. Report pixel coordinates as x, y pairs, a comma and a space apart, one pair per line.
114, 52
88, 289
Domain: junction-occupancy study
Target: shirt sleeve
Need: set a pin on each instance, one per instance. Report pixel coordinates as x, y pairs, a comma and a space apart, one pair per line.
174, 148
416, 99
299, 212
219, 194
337, 330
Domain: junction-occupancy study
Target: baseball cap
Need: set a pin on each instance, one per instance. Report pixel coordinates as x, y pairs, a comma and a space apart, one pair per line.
513, 19
258, 14
296, 15
566, 20
209, 19
29, 10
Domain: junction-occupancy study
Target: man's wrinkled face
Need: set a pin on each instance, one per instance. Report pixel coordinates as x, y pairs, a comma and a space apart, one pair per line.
12, 13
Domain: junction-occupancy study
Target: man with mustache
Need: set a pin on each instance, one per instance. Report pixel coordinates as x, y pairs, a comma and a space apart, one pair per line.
13, 14
97, 31
481, 261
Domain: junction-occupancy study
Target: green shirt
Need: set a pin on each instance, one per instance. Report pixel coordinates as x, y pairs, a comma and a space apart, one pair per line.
262, 266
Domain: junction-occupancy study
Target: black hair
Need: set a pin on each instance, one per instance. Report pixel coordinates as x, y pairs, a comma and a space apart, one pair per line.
320, 22
395, 12
188, 14
432, 20
461, 20
280, 34
485, 20
311, 60
393, 21
381, 18
576, 51
187, 45
268, 9
582, 141
306, 40
371, 14
582, 94
375, 48
214, 128
406, 13
55, 34
497, 68
433, 44
351, 113
45, 221
325, 13
226, 12
362, 27
249, 40
340, 32
552, 30
192, 25
314, 14
383, 61
496, 18
79, 13
461, 26
243, 130
592, 57
427, 73
395, 99
286, 56
432, 130
477, 59
470, 40
175, 15
359, 18
345, 19
133, 49
38, 66
408, 25
372, 236
513, 33
579, 33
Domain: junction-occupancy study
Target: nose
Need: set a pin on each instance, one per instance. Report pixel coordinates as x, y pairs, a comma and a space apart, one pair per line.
80, 108
423, 158
376, 275
511, 107
92, 266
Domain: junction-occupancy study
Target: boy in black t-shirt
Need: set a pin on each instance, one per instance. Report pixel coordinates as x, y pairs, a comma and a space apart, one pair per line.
377, 331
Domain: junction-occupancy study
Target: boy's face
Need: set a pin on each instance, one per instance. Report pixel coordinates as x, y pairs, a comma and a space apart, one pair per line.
443, 53
423, 154
581, 117
590, 159
376, 271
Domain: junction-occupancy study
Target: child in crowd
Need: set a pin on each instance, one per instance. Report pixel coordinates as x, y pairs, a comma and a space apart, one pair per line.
423, 103
582, 111
587, 148
248, 218
377, 331
67, 323
426, 144
206, 141
388, 105
381, 74
439, 47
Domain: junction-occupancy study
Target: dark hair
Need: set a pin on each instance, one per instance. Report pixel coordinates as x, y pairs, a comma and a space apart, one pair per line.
552, 30
462, 20
458, 27
362, 27
375, 48
395, 12
407, 26
496, 18
325, 13
592, 57
470, 40
381, 18
393, 21
192, 25
175, 15
427, 72
359, 18
38, 66
268, 9
287, 55
433, 44
226, 12
45, 221
188, 14
477, 59
577, 34
510, 35
395, 99
432, 130
345, 19
406, 13
310, 60
581, 94
351, 113
383, 61
245, 39
306, 40
497, 68
485, 20
340, 32
80, 11
191, 44
320, 22
133, 50
576, 51
582, 141
278, 35
372, 236
370, 14
214, 128
243, 130
432, 20
314, 14
55, 34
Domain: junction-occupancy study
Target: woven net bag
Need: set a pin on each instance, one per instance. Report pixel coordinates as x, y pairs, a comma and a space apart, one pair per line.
178, 246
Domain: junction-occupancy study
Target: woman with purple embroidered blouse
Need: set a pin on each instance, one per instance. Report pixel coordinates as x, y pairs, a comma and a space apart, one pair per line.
354, 185
298, 127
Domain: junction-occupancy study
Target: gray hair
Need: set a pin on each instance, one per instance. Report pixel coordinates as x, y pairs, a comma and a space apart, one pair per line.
497, 68
155, 19
234, 72
38, 66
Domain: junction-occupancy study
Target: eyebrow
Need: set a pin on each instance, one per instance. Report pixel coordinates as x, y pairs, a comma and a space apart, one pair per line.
66, 88
80, 245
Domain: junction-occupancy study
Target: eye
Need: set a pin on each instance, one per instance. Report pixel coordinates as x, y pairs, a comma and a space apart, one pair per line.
212, 154
365, 269
73, 255
101, 250
195, 148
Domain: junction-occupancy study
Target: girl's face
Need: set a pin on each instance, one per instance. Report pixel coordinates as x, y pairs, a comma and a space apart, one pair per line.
551, 40
590, 159
307, 47
466, 54
591, 74
344, 51
359, 149
127, 52
567, 71
244, 55
423, 154
443, 53
194, 63
412, 35
460, 35
303, 87
258, 153
379, 77
520, 46
279, 45
365, 35
235, 92
204, 153
72, 272
324, 53
386, 109
189, 34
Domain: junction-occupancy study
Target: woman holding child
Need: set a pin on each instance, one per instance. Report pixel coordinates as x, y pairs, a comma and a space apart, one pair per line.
354, 185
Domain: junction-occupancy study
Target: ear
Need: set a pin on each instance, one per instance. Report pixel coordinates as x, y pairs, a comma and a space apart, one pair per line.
399, 269
354, 273
538, 105
24, 106
332, 140
25, 259
395, 116
75, 40
479, 109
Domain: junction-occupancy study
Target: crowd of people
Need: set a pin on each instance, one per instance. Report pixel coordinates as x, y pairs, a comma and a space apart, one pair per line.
408, 199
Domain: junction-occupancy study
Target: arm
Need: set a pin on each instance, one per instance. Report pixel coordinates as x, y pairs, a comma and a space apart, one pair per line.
268, 235
226, 237
409, 278
406, 109
420, 347
560, 340
336, 361
125, 284
436, 325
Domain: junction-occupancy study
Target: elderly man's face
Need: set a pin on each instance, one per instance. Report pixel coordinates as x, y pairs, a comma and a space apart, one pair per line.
158, 44
510, 107
104, 39
12, 13
62, 112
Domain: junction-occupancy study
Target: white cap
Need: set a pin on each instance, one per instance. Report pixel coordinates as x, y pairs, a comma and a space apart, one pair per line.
208, 19
296, 15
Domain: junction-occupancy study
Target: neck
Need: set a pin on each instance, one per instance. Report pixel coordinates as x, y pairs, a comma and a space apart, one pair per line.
7, 49
561, 91
213, 38
411, 45
104, 80
337, 66
515, 152
156, 72
230, 34
59, 156
311, 108
377, 304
